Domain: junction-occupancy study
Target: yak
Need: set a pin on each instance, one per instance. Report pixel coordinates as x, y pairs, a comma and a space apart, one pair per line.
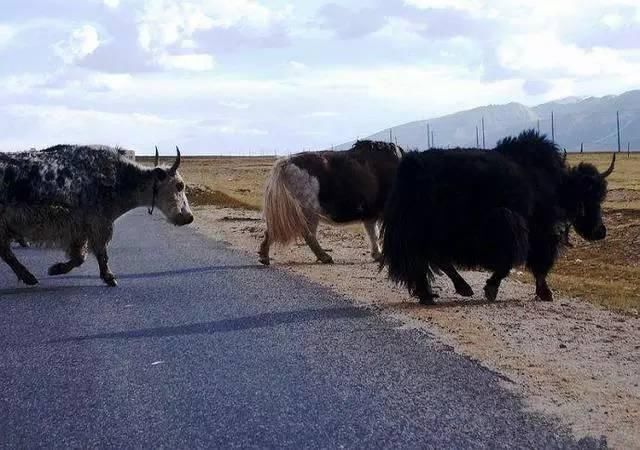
492, 209
69, 197
337, 187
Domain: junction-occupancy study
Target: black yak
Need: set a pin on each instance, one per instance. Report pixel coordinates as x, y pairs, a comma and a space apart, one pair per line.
491, 209
69, 197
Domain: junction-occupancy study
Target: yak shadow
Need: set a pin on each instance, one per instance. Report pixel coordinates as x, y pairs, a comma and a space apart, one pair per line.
265, 320
318, 263
168, 273
36, 290
458, 303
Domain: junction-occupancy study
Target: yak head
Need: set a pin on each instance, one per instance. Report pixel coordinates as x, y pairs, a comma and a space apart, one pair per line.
169, 193
584, 192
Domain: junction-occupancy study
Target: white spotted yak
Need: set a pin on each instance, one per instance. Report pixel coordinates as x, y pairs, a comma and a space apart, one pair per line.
69, 197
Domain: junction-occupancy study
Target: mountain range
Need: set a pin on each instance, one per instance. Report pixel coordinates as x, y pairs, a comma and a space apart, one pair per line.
589, 122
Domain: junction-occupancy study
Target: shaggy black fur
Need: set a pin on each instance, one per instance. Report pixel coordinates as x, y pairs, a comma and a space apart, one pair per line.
490, 209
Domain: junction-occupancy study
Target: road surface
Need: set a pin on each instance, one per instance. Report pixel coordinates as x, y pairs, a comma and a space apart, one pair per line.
200, 346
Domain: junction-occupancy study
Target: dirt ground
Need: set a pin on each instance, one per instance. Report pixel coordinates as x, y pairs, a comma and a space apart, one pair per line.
570, 358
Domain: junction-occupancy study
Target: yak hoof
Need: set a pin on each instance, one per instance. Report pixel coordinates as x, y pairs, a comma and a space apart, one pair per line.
464, 290
491, 292
544, 294
264, 260
58, 269
110, 280
326, 259
29, 279
427, 298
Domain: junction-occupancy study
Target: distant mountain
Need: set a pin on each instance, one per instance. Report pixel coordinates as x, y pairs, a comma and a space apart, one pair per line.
588, 120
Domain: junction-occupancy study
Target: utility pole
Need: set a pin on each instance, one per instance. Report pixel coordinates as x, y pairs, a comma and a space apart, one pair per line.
618, 123
390, 135
433, 142
581, 147
628, 149
484, 146
538, 126
477, 137
553, 129
428, 137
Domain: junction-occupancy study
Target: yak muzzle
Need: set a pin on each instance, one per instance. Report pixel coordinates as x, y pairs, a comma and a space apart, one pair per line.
183, 219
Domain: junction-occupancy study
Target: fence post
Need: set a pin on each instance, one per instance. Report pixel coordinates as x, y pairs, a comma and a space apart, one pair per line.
581, 147
618, 124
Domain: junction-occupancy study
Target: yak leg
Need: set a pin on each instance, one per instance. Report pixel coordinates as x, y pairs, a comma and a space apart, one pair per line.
98, 243
263, 252
77, 253
370, 228
493, 284
462, 287
420, 287
21, 271
542, 254
22, 242
312, 242
506, 238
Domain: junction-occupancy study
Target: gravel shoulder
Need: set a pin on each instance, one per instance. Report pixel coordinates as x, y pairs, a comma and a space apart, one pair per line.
568, 359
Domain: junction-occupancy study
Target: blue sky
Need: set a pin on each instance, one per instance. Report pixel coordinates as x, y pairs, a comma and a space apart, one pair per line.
257, 76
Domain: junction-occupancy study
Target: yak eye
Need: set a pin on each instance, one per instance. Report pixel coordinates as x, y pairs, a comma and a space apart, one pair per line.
180, 186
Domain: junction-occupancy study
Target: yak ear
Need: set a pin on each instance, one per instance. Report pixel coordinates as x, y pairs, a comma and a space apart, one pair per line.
159, 174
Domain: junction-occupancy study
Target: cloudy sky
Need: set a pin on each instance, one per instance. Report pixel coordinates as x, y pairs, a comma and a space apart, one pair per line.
230, 76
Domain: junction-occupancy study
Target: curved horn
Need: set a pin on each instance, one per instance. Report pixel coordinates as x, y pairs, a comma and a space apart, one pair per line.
157, 160
609, 171
176, 164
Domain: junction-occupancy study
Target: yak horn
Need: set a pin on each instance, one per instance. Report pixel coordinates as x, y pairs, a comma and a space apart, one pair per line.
176, 164
610, 169
157, 160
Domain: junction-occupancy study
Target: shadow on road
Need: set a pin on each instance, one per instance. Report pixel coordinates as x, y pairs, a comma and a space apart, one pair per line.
168, 273
265, 320
27, 291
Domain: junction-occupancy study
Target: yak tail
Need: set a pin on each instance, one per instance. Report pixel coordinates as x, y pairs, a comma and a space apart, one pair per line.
405, 225
282, 211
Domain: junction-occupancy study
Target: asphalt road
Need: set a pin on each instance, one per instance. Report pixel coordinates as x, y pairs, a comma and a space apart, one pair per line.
200, 346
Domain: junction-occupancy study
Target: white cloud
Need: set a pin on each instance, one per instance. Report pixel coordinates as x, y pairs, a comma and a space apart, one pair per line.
196, 62
545, 54
467, 5
297, 66
613, 20
6, 34
163, 23
81, 43
113, 4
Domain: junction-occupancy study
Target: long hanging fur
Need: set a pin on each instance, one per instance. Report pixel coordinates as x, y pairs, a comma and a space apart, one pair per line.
405, 226
282, 211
